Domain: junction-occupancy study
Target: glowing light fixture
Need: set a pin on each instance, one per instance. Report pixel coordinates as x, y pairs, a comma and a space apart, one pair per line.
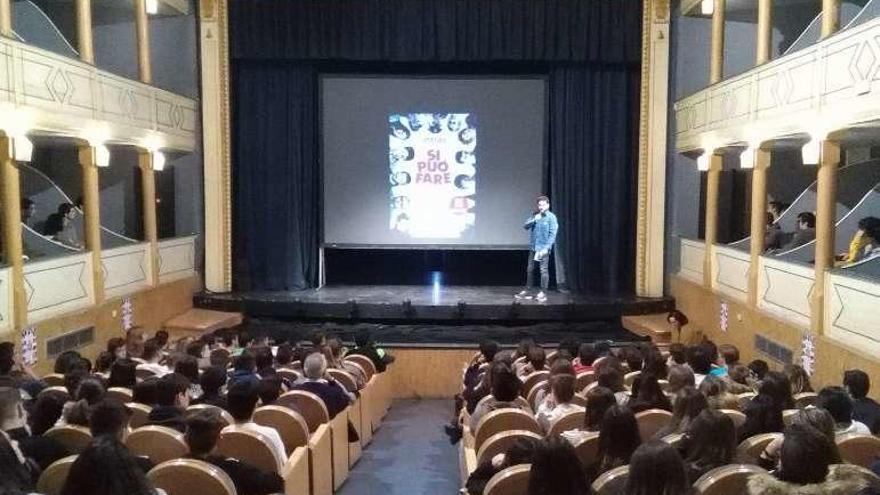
102, 156
703, 162
23, 148
707, 7
811, 151
747, 158
158, 161
152, 7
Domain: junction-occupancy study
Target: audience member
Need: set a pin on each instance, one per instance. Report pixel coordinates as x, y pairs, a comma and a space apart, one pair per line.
656, 468
106, 467
586, 356
730, 354
213, 380
270, 390
680, 376
812, 417
560, 366
505, 389
60, 226
77, 412
763, 415
317, 381
242, 400
798, 378
46, 411
709, 442
171, 402
608, 375
67, 361
365, 346
536, 360
759, 368
804, 233
18, 476
618, 439
109, 417
134, 343
717, 396
152, 357
188, 367
599, 400
865, 409
837, 401
860, 241
245, 369
14, 373
556, 470
202, 432
648, 395
700, 362
13, 422
146, 391
116, 347
558, 402
677, 355
520, 452
689, 403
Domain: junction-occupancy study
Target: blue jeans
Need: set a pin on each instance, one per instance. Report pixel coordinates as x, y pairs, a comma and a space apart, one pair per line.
543, 266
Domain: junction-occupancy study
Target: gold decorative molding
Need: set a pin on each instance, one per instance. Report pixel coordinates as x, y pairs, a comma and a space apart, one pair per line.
225, 151
644, 119
207, 10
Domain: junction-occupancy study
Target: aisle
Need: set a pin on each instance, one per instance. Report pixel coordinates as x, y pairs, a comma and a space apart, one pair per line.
409, 455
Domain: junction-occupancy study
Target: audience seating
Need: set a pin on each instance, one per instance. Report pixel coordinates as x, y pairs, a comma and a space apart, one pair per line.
288, 374
744, 398
500, 442
861, 450
120, 394
191, 477
224, 415
612, 482
249, 446
579, 400
54, 380
220, 357
738, 418
533, 380
630, 377
509, 481
290, 425
365, 363
674, 439
74, 438
588, 450
309, 405
652, 421
583, 379
504, 420
664, 386
570, 421
788, 415
321, 461
158, 443
339, 449
143, 373
726, 480
55, 389
805, 399
356, 417
53, 477
532, 398
140, 414
345, 378
750, 449
519, 400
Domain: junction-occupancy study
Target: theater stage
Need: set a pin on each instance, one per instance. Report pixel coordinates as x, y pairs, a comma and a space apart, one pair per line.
448, 305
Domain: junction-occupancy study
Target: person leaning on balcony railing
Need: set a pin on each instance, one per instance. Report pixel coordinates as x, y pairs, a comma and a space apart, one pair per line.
865, 243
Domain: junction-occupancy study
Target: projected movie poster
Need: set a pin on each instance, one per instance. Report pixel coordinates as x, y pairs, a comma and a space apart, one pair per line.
433, 163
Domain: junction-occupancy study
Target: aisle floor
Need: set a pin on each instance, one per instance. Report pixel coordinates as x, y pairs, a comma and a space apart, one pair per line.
409, 455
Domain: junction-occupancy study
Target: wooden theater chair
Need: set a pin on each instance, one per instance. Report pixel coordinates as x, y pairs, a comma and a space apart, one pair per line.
750, 449
120, 394
509, 481
725, 480
504, 420
859, 449
191, 477
158, 443
570, 421
74, 438
140, 414
652, 421
53, 477
500, 443
612, 482
225, 417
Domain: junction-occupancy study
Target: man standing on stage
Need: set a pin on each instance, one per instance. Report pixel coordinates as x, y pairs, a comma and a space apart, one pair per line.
542, 227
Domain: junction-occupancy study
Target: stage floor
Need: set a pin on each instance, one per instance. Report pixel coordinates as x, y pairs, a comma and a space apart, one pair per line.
425, 303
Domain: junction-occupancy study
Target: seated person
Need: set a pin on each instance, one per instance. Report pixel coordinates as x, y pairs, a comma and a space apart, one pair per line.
837, 401
213, 380
657, 467
202, 432
245, 366
648, 395
812, 417
859, 241
365, 346
60, 226
110, 418
505, 390
556, 469
14, 373
536, 360
152, 357
171, 402
13, 421
242, 400
188, 367
270, 390
772, 234
519, 453
805, 233
317, 381
19, 475
618, 438
106, 467
586, 356
709, 442
88, 393
558, 403
336, 352
865, 409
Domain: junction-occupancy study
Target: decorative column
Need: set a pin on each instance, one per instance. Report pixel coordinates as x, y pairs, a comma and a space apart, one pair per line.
142, 26
650, 233
215, 148
151, 232
12, 243
92, 215
6, 18
830, 17
759, 219
85, 40
716, 59
713, 178
765, 31
826, 216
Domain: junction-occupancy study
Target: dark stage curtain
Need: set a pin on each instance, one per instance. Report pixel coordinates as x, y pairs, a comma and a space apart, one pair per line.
276, 177
589, 48
593, 171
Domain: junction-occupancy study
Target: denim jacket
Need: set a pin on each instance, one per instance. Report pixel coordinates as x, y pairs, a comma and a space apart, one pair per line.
542, 231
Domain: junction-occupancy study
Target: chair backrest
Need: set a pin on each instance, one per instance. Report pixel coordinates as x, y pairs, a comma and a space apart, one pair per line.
630, 377
504, 420
725, 480
652, 421
579, 400
859, 449
309, 405
144, 373
365, 363
345, 378
73, 437
588, 450
744, 398
788, 415
674, 439
664, 386
533, 379
54, 380
738, 418
750, 449
53, 477
532, 398
140, 414
55, 389
523, 403
191, 477
805, 399
500, 443
249, 446
158, 443
509, 481
589, 387
120, 394
288, 374
220, 357
290, 425
612, 482
224, 415
583, 379
570, 421
297, 366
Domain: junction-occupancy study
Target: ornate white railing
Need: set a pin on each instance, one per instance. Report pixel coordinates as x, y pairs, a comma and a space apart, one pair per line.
177, 258
126, 269
731, 275
58, 285
851, 316
691, 257
784, 289
44, 91
830, 85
